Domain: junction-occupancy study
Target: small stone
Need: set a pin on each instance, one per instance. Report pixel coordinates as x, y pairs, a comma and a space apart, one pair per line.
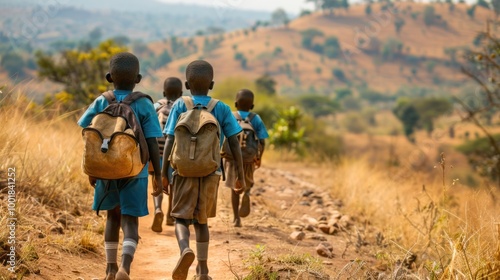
324, 251
66, 219
323, 218
41, 235
304, 203
318, 237
335, 214
297, 227
262, 180
332, 230
310, 220
309, 228
307, 193
345, 221
327, 263
324, 228
297, 235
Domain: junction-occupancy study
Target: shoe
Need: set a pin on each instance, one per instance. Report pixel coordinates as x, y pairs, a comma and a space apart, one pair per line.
110, 276
181, 270
237, 222
170, 221
157, 221
245, 206
122, 274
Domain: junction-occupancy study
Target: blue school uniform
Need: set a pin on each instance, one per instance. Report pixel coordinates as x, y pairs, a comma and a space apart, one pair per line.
130, 194
257, 124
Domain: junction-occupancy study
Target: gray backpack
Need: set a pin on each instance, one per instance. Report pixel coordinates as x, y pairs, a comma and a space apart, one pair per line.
249, 143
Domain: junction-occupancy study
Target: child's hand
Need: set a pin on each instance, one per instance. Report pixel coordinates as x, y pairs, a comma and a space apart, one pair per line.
166, 184
157, 189
240, 186
92, 181
257, 162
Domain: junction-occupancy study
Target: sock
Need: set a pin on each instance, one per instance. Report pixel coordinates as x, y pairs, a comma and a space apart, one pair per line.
202, 251
111, 249
129, 246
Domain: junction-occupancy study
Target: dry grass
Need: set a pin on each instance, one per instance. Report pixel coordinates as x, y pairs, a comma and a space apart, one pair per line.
450, 228
45, 149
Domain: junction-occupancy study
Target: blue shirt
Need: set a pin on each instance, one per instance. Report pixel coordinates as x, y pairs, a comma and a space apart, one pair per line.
227, 122
143, 110
257, 124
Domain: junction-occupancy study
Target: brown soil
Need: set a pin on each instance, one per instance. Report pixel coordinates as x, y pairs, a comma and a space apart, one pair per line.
277, 207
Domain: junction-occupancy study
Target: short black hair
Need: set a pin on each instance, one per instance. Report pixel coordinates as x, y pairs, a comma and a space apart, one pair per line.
124, 69
244, 99
199, 75
172, 83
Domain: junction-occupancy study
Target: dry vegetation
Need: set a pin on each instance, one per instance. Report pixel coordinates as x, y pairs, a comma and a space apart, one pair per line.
52, 193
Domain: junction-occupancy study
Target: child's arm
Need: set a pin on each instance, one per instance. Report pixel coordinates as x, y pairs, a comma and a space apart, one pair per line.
155, 160
169, 143
234, 146
258, 160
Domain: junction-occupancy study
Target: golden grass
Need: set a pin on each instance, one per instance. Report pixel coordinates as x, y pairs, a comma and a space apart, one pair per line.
45, 148
450, 228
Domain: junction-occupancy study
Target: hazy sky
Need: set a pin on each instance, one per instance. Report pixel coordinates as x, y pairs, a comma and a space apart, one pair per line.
292, 6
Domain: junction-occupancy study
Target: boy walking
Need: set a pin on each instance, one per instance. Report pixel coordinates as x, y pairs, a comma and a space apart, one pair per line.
126, 199
253, 144
194, 198
172, 90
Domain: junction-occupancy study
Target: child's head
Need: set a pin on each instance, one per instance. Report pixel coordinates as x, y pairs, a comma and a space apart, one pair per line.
244, 100
199, 76
124, 71
172, 88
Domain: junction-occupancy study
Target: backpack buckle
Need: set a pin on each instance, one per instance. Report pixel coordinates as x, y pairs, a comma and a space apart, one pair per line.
105, 145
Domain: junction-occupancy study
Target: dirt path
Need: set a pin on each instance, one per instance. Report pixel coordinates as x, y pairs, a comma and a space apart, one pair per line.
282, 202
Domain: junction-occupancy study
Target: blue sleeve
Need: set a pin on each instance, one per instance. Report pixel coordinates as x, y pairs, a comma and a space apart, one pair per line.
148, 118
260, 127
227, 121
96, 107
156, 105
175, 112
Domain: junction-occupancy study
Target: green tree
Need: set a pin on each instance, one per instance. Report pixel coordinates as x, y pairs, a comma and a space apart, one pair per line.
471, 11
14, 64
280, 17
339, 74
398, 24
431, 108
266, 84
308, 36
406, 112
332, 47
286, 131
318, 105
495, 4
163, 59
429, 15
392, 49
483, 3
368, 9
81, 72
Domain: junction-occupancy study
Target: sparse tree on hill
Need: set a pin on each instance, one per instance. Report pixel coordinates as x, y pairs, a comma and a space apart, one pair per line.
398, 23
81, 72
471, 11
368, 9
483, 3
496, 6
266, 84
14, 64
330, 5
280, 17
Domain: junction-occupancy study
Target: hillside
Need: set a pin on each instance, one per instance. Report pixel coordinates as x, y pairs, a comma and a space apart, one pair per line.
420, 55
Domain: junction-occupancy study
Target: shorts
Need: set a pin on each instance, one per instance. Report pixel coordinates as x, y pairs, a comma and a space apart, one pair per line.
232, 174
195, 198
130, 194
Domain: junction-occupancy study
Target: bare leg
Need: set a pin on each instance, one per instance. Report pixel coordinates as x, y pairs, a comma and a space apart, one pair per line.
202, 238
112, 234
130, 227
235, 202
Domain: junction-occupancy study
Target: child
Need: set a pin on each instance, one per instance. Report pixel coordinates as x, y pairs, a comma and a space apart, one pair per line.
194, 199
127, 198
172, 90
243, 104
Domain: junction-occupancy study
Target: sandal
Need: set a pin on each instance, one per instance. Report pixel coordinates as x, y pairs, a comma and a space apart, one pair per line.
202, 277
157, 221
122, 274
245, 206
181, 270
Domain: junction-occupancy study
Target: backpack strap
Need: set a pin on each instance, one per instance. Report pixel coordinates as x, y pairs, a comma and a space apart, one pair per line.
110, 96
237, 116
250, 117
211, 104
189, 102
136, 95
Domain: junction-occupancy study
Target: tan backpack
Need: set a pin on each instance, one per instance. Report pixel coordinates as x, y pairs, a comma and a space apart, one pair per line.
249, 143
196, 150
114, 143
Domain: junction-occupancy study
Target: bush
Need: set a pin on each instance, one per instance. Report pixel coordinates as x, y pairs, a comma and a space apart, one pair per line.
339, 74
392, 49
354, 123
13, 63
429, 15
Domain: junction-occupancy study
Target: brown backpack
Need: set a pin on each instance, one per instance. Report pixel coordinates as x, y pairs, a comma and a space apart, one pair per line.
196, 150
114, 143
249, 143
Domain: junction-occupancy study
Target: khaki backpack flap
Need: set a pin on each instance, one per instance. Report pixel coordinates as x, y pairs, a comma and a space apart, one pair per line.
196, 150
114, 144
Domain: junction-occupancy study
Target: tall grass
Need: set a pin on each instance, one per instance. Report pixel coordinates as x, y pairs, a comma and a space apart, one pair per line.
429, 226
44, 147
